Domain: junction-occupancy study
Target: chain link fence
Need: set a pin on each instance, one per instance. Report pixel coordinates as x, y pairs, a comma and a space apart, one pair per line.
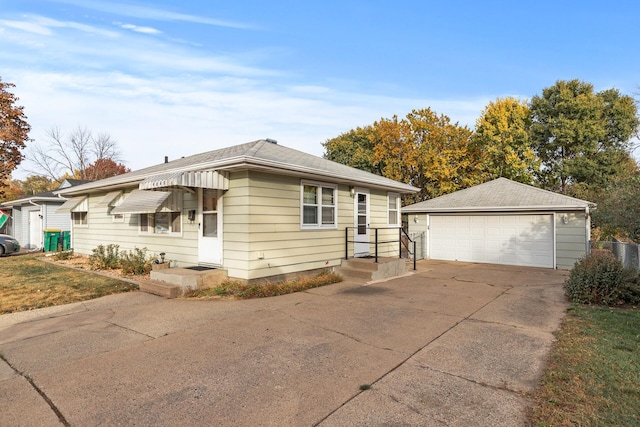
626, 253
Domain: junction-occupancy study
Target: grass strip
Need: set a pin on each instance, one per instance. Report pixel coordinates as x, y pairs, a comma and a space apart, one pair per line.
240, 290
593, 376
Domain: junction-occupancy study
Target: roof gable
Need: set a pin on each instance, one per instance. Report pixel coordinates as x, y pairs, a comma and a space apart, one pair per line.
499, 194
261, 154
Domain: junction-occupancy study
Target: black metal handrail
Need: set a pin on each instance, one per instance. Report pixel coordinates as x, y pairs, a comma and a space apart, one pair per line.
377, 242
409, 241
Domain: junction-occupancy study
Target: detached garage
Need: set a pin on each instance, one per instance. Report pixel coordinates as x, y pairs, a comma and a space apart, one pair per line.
503, 222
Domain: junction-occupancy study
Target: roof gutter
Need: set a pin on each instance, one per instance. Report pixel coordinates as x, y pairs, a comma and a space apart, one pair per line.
496, 209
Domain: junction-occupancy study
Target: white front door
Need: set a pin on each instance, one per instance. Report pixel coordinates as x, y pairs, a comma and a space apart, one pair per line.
210, 226
35, 230
361, 223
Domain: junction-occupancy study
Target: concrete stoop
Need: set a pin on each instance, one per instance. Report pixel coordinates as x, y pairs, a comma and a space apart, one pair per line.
175, 282
162, 289
367, 269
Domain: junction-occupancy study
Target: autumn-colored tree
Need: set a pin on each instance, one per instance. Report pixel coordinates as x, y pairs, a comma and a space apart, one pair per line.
36, 184
502, 141
427, 151
104, 168
14, 133
580, 135
12, 191
73, 154
423, 149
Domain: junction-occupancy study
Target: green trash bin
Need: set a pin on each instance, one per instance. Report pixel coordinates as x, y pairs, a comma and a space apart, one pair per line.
51, 237
66, 240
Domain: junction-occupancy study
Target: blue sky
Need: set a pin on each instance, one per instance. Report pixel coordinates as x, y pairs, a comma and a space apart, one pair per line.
177, 78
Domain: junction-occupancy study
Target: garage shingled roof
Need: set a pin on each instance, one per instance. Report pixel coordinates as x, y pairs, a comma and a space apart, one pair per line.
501, 194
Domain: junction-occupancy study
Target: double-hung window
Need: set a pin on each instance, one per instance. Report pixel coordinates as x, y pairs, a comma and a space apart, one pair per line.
160, 223
393, 209
319, 205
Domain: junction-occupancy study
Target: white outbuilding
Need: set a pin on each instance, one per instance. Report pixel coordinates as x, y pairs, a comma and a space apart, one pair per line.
503, 222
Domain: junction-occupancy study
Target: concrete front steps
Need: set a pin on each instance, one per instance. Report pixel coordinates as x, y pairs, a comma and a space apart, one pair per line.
366, 268
175, 282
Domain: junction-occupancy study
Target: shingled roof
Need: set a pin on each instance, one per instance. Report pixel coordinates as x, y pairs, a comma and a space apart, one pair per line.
261, 154
500, 194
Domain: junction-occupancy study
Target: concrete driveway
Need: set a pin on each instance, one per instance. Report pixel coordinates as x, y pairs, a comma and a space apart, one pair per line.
453, 344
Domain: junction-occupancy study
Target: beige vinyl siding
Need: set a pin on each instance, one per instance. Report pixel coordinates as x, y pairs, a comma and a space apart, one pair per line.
262, 231
571, 239
101, 230
263, 235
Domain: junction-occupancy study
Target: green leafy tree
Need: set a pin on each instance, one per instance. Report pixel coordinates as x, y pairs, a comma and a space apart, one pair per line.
502, 140
14, 133
618, 207
578, 134
353, 148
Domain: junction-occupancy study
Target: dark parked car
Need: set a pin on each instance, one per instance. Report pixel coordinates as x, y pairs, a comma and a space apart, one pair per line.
8, 245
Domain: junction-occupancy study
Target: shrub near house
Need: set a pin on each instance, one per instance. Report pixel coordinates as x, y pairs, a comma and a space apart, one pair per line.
601, 279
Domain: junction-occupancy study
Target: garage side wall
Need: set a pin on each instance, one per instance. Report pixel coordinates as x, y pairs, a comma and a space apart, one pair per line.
417, 224
572, 237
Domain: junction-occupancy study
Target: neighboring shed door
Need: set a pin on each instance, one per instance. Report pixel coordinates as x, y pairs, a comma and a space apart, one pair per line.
525, 240
35, 229
210, 227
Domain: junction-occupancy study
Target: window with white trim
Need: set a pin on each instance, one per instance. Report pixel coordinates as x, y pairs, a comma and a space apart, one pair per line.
168, 219
79, 218
161, 223
393, 209
79, 214
319, 205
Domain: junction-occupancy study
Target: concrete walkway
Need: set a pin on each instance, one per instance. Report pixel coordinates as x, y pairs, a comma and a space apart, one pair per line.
453, 344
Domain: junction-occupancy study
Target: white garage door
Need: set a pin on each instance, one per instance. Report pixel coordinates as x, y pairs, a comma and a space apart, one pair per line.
498, 239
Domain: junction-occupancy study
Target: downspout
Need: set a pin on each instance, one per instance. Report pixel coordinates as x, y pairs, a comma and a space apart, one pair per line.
555, 240
587, 222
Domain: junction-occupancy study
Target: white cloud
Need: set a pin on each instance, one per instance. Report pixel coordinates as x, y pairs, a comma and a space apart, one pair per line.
42, 26
30, 27
139, 29
125, 9
154, 117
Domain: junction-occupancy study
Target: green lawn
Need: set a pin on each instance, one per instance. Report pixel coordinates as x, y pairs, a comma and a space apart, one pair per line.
28, 282
593, 378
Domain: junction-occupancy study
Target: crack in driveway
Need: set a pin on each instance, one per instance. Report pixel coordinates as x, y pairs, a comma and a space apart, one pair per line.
38, 390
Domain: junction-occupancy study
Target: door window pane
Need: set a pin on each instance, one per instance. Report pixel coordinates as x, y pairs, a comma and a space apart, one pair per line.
210, 225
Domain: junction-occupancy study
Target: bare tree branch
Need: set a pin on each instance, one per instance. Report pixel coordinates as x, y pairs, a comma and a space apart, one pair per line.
73, 155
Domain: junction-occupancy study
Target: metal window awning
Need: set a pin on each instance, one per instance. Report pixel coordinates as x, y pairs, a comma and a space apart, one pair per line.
72, 204
140, 201
199, 179
109, 198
